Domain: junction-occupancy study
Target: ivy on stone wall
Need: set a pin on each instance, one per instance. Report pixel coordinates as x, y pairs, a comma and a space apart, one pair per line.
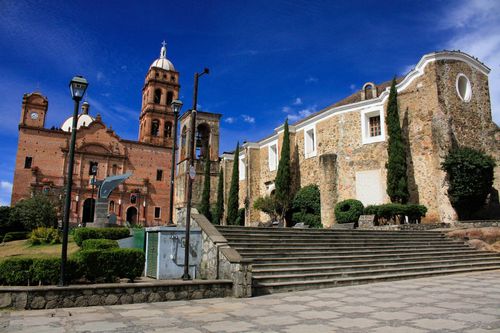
397, 182
470, 176
233, 199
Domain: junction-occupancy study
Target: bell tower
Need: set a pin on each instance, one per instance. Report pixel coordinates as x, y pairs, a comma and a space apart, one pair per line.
161, 87
34, 110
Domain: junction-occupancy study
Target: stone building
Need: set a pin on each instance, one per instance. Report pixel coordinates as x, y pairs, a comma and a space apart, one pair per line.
41, 162
443, 101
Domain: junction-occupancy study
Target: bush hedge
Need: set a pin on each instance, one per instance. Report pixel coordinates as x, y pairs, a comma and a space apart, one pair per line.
110, 264
395, 213
82, 234
42, 235
99, 244
95, 265
348, 211
15, 235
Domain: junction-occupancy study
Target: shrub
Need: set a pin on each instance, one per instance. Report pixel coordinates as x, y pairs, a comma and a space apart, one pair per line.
267, 205
306, 206
42, 235
82, 234
111, 264
45, 270
15, 271
470, 175
15, 235
348, 211
6, 223
34, 212
99, 244
393, 213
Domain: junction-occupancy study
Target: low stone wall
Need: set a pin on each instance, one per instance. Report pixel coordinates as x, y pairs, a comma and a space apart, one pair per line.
477, 224
409, 227
49, 297
220, 261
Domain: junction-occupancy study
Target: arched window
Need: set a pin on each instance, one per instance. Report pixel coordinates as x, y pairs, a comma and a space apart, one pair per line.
170, 97
155, 126
157, 96
168, 129
202, 140
369, 92
183, 143
111, 206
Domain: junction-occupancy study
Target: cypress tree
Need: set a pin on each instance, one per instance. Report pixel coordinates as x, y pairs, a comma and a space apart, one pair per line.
283, 193
397, 182
205, 196
233, 199
219, 208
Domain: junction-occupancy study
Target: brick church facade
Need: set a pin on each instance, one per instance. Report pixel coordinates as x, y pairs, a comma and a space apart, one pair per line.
42, 155
443, 101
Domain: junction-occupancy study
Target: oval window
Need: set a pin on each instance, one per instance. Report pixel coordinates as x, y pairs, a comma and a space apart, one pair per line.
464, 89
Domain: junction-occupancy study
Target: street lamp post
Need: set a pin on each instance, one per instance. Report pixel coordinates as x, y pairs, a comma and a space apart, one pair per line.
191, 173
78, 86
176, 107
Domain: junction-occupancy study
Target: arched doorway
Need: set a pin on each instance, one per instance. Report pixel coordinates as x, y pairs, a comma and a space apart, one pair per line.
132, 215
88, 210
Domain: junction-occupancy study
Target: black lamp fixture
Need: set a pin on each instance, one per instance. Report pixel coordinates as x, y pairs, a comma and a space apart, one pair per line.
77, 86
176, 108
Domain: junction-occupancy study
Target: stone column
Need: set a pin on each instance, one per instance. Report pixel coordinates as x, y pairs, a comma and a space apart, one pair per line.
101, 213
328, 188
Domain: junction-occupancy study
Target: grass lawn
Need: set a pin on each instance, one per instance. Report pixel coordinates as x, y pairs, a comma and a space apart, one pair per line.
22, 248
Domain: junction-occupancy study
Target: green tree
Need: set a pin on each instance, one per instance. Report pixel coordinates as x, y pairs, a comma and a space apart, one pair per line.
306, 206
470, 175
283, 194
219, 207
397, 183
234, 189
34, 212
205, 196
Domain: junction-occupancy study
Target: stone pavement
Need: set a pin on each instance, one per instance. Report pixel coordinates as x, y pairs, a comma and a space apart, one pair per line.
455, 303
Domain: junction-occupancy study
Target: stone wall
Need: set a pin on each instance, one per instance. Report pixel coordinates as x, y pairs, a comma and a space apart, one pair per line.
219, 261
49, 297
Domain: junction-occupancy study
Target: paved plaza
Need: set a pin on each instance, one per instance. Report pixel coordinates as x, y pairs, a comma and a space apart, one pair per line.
456, 303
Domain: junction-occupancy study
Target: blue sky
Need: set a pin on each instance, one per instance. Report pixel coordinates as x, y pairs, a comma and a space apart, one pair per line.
268, 59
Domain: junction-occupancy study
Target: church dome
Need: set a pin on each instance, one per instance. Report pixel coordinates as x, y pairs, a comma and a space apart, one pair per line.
83, 120
162, 62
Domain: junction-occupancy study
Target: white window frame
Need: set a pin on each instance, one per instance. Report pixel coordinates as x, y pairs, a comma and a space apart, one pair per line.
365, 125
308, 152
273, 159
468, 87
241, 167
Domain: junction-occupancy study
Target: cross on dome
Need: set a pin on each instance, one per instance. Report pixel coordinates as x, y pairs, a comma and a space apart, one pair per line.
163, 52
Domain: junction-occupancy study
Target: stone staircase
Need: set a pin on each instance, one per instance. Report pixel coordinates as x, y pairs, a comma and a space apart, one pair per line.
299, 259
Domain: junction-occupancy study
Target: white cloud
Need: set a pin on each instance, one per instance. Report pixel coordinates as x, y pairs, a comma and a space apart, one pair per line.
298, 101
5, 185
286, 109
306, 112
248, 119
230, 120
312, 79
475, 25
352, 86
99, 76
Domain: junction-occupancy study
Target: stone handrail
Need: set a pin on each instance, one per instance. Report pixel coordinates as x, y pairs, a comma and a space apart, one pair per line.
220, 261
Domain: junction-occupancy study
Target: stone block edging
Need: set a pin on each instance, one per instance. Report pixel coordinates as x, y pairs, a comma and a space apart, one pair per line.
49, 297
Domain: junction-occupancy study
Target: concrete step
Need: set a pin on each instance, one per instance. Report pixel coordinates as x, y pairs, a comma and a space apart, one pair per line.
278, 271
291, 263
384, 256
269, 288
285, 234
346, 247
249, 230
339, 242
313, 253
